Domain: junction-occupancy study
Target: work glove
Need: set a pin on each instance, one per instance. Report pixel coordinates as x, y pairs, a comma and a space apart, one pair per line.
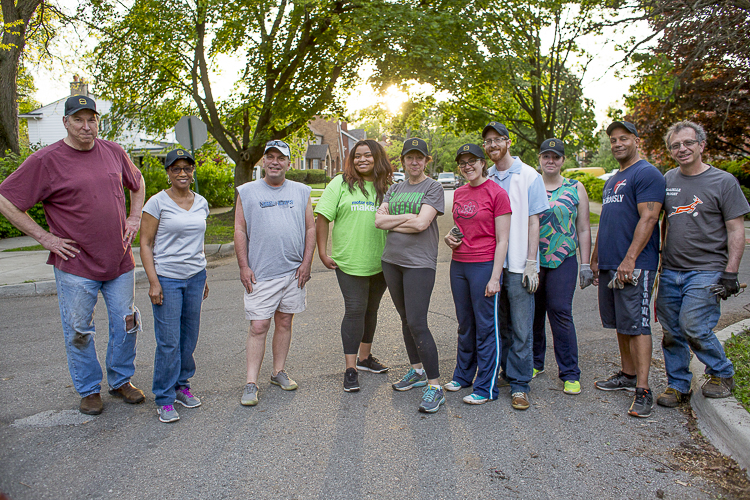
616, 283
586, 276
456, 233
530, 278
728, 285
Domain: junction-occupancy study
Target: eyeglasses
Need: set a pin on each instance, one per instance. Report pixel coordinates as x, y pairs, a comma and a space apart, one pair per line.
188, 169
498, 141
470, 163
675, 146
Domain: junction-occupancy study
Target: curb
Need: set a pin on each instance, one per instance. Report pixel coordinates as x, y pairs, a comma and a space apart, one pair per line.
725, 422
40, 288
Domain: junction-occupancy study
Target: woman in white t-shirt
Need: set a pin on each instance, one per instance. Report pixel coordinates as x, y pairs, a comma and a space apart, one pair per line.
172, 232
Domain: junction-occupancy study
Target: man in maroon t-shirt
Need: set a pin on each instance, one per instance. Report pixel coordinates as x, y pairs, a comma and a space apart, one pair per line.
80, 182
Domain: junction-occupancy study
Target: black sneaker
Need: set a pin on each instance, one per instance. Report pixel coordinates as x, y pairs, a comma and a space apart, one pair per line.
617, 382
351, 380
371, 364
643, 403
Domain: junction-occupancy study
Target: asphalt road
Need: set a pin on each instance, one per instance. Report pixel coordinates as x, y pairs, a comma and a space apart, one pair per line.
318, 441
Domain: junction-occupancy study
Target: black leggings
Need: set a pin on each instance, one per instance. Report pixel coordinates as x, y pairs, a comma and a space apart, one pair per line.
410, 290
362, 296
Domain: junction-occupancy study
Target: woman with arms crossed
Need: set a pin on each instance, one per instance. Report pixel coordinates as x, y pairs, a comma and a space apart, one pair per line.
172, 231
479, 240
409, 213
350, 201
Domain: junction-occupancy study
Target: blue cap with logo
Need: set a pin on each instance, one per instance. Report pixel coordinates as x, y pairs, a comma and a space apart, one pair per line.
415, 144
471, 149
178, 154
554, 145
76, 103
497, 127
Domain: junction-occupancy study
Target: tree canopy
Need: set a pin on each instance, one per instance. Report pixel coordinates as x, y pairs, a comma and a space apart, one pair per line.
158, 60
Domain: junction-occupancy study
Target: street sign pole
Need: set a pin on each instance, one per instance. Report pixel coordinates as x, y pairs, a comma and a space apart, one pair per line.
191, 131
192, 152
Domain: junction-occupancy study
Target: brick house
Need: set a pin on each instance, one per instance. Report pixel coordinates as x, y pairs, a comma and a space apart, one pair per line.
330, 145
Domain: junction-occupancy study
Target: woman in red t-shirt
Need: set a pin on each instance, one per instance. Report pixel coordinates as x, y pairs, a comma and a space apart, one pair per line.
481, 212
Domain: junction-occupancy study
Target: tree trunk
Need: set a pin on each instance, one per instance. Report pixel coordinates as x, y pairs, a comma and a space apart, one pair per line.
16, 17
243, 169
8, 102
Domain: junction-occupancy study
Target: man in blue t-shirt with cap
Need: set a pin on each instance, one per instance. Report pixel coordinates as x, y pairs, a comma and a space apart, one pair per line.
625, 260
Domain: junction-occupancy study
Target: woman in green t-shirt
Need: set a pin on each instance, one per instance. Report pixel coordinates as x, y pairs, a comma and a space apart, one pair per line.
351, 200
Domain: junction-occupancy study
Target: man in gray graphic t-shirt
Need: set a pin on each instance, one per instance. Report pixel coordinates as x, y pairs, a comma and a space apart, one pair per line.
274, 239
704, 210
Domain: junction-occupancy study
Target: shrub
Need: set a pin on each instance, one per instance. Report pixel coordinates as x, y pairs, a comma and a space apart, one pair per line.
296, 175
315, 176
593, 185
8, 165
215, 178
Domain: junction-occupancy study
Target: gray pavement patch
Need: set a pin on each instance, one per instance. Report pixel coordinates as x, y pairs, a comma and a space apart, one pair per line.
724, 421
52, 418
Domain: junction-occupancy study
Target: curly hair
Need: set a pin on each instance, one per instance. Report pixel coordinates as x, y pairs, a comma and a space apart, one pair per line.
383, 171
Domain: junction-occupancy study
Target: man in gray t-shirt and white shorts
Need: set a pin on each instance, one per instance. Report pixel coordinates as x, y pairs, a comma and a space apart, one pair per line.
274, 239
703, 220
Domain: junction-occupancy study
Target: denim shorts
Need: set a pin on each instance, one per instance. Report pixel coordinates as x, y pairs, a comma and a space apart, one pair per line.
628, 310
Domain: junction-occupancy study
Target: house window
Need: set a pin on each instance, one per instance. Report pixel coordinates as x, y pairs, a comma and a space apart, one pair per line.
316, 163
318, 139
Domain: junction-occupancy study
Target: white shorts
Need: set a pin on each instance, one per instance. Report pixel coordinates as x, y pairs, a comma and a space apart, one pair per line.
279, 294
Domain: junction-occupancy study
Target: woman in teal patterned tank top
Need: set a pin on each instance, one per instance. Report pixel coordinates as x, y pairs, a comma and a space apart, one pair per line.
562, 230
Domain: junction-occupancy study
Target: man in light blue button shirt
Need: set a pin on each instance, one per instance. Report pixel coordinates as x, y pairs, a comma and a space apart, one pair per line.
515, 314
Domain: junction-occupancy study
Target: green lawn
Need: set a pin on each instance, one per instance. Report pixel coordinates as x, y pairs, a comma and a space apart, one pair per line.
220, 228
594, 218
738, 350
25, 249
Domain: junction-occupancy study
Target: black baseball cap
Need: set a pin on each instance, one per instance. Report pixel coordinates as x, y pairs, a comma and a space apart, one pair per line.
626, 125
415, 144
76, 103
554, 145
497, 127
177, 154
469, 148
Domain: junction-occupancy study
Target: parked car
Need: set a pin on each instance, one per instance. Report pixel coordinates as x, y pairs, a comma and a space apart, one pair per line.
399, 177
447, 180
607, 176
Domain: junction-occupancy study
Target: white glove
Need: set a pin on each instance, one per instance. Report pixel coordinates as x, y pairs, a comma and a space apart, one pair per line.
530, 276
586, 276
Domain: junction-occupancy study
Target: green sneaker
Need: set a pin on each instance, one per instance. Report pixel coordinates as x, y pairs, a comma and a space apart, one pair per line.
452, 386
432, 397
572, 387
537, 372
411, 379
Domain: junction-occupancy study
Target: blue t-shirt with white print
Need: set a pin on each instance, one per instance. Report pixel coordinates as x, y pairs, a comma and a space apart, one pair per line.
639, 183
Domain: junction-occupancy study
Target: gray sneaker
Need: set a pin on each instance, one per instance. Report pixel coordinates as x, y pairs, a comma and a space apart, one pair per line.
617, 382
250, 395
167, 414
432, 397
717, 387
282, 380
411, 379
186, 398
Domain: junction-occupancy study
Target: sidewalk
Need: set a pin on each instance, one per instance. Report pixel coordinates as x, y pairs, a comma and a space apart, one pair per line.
26, 274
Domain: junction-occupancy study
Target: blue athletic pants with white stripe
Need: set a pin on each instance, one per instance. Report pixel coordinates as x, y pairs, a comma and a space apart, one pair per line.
478, 351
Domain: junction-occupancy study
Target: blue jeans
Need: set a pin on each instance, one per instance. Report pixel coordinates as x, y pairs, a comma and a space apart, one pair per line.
554, 300
688, 314
515, 317
176, 324
77, 297
478, 346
